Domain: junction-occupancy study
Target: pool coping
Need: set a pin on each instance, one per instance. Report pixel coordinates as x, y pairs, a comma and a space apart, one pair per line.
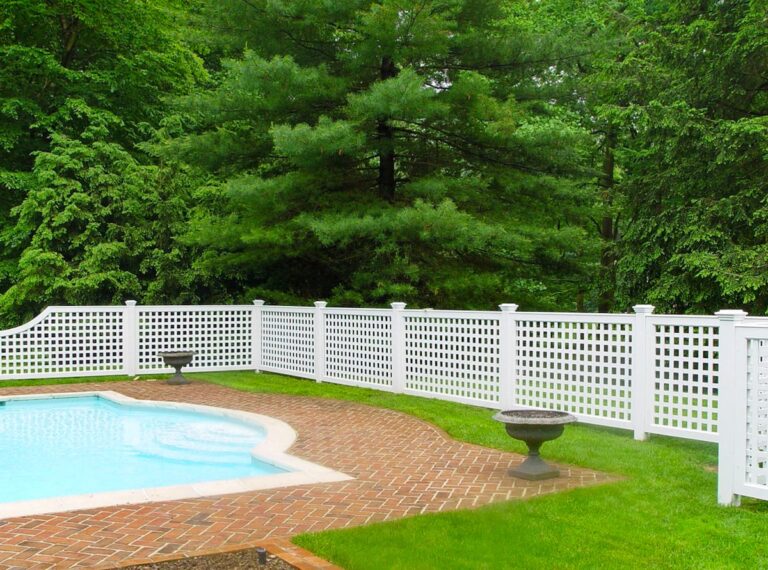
272, 450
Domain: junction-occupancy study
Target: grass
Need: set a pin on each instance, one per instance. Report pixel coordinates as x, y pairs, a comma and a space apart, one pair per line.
58, 381
663, 515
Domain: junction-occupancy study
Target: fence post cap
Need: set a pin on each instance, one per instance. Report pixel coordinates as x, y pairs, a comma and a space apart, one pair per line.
130, 303
643, 309
398, 306
258, 302
731, 314
321, 304
508, 307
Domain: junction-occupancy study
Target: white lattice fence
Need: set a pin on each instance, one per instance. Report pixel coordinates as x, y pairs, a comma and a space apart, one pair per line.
64, 342
453, 355
358, 347
222, 336
685, 376
288, 340
657, 374
756, 442
743, 450
576, 363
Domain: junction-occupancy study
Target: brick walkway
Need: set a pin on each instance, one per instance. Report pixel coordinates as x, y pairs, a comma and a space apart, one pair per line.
402, 467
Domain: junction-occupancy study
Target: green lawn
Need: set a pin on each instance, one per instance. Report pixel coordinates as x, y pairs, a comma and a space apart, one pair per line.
664, 515
58, 381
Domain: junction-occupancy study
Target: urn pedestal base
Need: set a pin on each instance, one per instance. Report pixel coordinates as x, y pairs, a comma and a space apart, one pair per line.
534, 427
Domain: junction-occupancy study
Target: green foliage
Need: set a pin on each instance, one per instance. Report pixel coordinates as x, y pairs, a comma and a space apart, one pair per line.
373, 152
450, 153
81, 83
99, 227
696, 165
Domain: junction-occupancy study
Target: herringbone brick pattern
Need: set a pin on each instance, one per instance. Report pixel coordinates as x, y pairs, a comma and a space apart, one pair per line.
402, 466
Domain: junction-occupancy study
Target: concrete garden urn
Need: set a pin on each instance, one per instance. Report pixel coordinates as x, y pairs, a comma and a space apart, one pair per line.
177, 360
534, 427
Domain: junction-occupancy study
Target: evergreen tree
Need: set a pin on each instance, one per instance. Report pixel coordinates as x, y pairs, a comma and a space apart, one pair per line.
401, 149
695, 98
82, 82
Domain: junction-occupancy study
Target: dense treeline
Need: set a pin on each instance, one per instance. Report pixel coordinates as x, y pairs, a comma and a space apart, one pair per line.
451, 153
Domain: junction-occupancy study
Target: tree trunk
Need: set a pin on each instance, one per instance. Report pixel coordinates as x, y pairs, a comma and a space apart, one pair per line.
606, 298
386, 137
70, 30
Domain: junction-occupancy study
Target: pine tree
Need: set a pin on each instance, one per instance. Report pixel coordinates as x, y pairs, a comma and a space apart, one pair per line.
401, 149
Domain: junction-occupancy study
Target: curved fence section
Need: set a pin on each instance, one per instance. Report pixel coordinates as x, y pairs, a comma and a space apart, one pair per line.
64, 342
699, 377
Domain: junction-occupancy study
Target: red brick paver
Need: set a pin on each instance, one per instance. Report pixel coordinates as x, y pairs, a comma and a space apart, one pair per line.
402, 466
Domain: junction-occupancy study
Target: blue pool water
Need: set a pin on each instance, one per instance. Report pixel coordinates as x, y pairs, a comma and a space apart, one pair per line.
80, 445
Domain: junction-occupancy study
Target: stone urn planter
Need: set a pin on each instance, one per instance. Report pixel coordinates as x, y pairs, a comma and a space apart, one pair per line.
534, 427
177, 360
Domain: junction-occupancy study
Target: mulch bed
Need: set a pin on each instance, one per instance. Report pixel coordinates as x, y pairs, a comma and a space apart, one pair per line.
239, 560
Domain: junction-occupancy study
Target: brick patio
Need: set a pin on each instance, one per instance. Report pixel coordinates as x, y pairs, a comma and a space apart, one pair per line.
402, 467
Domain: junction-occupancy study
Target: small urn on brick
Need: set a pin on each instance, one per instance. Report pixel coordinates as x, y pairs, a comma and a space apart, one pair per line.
177, 360
534, 427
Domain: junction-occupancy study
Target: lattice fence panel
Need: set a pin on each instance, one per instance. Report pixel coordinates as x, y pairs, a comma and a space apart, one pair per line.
686, 377
581, 367
757, 413
221, 336
453, 357
288, 341
358, 348
64, 342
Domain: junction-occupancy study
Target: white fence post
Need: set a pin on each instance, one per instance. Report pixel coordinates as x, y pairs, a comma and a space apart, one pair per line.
131, 338
398, 348
731, 367
320, 340
642, 381
507, 356
258, 304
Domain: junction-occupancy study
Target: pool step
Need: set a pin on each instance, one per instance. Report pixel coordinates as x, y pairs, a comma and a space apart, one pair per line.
179, 446
206, 442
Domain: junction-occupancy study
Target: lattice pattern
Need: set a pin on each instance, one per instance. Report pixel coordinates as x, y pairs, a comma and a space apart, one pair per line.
453, 358
64, 342
579, 367
221, 336
358, 348
288, 341
757, 413
685, 391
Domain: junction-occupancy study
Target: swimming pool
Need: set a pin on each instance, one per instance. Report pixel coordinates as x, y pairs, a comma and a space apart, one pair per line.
70, 451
